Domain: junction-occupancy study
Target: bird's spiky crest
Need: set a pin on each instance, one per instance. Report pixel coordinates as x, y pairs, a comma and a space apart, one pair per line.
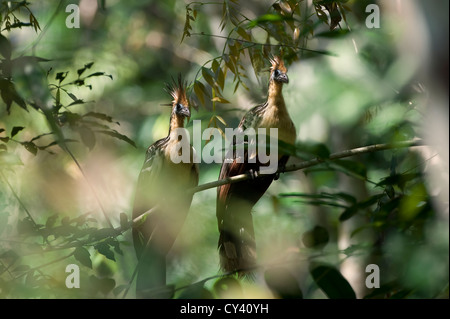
177, 89
277, 63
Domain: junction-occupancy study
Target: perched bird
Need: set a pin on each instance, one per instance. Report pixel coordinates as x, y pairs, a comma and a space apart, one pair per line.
237, 247
162, 188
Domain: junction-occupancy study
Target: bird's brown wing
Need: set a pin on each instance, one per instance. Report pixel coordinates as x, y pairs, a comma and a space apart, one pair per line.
158, 190
236, 244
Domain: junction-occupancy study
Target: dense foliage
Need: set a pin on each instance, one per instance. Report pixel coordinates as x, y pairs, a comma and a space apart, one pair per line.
79, 106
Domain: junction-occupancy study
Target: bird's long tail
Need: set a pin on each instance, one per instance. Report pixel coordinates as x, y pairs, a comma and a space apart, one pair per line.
237, 247
151, 267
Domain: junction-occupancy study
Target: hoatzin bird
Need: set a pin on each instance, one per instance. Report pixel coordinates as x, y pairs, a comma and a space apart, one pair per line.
162, 187
236, 245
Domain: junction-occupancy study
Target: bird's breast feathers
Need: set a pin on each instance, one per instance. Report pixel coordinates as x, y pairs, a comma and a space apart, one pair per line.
277, 117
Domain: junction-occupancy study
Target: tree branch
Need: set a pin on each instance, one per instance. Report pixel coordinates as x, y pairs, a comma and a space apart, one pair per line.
313, 162
242, 177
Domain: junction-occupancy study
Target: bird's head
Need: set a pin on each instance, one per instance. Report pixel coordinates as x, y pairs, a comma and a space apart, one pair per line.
180, 102
278, 71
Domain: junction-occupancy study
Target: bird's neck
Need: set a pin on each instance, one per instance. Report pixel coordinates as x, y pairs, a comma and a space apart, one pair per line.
275, 97
175, 122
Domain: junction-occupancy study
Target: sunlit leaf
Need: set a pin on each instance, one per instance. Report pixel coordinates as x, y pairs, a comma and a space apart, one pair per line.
220, 100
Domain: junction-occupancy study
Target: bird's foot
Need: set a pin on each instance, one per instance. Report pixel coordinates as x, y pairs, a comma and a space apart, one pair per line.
280, 170
253, 174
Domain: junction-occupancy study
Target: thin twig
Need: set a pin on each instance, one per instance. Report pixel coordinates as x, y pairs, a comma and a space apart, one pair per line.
263, 44
94, 192
19, 200
45, 265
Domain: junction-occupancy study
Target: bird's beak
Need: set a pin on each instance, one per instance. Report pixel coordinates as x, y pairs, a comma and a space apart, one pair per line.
185, 111
283, 78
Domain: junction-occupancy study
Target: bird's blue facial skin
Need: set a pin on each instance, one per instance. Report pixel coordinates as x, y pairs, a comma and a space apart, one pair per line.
280, 76
180, 109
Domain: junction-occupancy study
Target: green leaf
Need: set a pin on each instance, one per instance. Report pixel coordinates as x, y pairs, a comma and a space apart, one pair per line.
220, 75
72, 96
348, 213
87, 136
208, 76
30, 147
15, 130
60, 76
86, 66
99, 74
119, 136
80, 101
83, 256
353, 210
5, 47
9, 95
105, 250
331, 282
244, 35
100, 116
51, 221
220, 100
199, 92
399, 179
270, 17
